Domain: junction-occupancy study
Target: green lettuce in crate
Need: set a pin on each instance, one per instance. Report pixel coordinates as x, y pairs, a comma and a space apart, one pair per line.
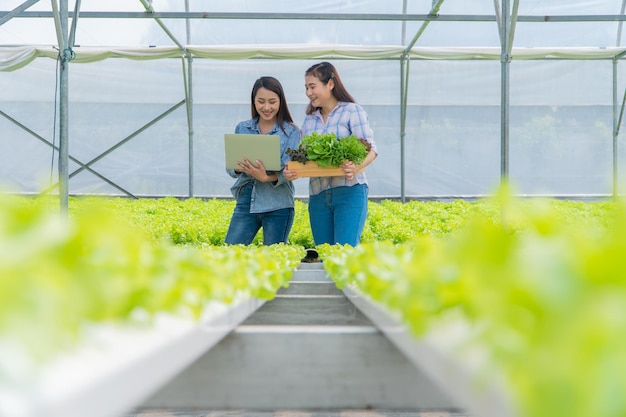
328, 151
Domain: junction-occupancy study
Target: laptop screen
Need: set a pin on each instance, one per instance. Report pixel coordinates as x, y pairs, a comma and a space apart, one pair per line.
265, 148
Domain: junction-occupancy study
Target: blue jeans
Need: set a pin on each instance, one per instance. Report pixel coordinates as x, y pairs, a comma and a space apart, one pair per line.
244, 225
338, 215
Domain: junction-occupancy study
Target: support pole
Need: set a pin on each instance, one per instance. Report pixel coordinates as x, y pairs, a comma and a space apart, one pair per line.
63, 63
189, 103
505, 60
404, 85
616, 126
617, 121
403, 92
404, 80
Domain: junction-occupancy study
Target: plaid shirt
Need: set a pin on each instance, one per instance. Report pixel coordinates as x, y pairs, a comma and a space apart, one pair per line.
345, 119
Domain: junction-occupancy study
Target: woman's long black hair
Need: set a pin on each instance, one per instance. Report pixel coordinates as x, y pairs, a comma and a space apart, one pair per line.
272, 84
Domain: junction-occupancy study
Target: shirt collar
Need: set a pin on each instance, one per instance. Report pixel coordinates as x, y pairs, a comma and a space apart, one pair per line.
318, 110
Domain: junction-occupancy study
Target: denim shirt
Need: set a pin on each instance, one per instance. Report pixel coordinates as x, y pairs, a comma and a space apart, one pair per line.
268, 196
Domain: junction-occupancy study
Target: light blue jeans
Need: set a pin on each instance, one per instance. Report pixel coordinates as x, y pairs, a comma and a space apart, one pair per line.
244, 225
337, 215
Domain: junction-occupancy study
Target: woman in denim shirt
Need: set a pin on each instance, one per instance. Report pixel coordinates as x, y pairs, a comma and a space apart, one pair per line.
265, 199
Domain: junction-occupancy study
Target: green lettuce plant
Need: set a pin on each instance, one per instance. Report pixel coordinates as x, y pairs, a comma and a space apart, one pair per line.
328, 151
59, 274
542, 287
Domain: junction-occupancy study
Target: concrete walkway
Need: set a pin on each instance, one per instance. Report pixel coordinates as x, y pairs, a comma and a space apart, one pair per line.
307, 353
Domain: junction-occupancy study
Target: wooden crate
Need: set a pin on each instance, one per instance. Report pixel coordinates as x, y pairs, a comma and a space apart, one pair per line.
311, 169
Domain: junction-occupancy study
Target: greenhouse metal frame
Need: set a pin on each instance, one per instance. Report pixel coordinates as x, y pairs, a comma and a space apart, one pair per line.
505, 15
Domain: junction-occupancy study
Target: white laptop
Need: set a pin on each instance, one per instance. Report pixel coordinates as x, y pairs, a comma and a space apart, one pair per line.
265, 148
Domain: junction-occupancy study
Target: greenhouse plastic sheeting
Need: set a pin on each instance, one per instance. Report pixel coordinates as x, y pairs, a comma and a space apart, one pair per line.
128, 72
18, 57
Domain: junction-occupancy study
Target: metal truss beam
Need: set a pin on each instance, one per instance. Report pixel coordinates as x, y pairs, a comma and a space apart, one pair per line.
87, 165
15, 12
70, 157
128, 138
433, 12
326, 16
151, 13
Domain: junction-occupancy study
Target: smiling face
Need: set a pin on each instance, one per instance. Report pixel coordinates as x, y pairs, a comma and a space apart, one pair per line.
320, 94
267, 104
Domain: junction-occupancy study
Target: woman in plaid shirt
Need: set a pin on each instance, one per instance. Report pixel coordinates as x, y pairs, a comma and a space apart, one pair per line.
337, 205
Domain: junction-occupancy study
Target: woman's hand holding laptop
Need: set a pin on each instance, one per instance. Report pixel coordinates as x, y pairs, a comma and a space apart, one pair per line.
256, 170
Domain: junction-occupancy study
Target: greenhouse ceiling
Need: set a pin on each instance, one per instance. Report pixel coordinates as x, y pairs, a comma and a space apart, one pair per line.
366, 29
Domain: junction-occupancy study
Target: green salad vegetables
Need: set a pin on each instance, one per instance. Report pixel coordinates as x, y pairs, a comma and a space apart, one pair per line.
328, 151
